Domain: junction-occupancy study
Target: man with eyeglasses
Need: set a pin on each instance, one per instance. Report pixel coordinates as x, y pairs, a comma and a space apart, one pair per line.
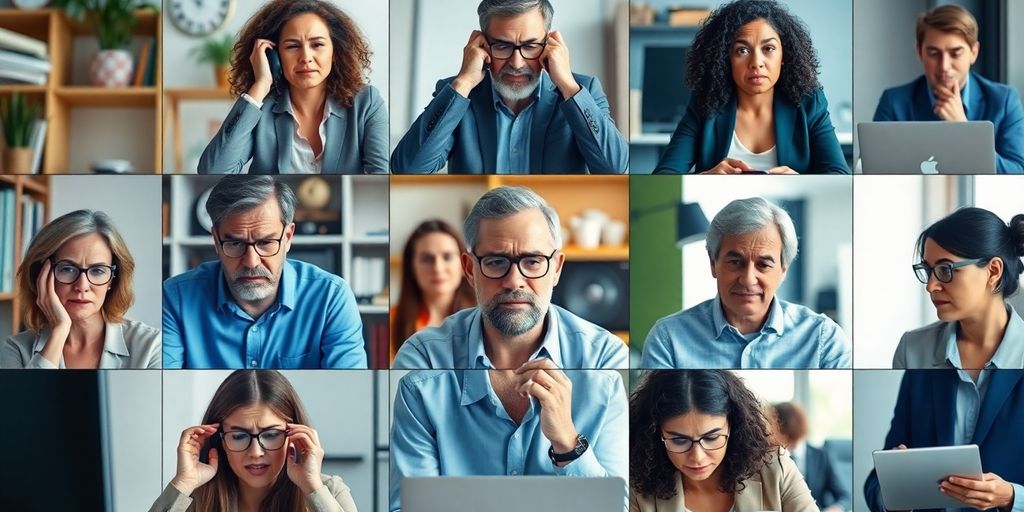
254, 307
751, 244
513, 262
515, 106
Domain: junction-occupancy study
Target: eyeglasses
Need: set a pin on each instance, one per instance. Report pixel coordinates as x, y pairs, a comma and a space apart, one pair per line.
67, 273
531, 266
237, 248
943, 271
504, 50
708, 443
240, 440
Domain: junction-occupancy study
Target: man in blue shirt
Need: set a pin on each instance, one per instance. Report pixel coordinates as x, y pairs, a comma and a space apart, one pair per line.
947, 45
537, 420
515, 107
255, 308
751, 243
514, 259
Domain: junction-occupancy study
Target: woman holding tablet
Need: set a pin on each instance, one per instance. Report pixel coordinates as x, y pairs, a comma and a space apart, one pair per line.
699, 441
970, 263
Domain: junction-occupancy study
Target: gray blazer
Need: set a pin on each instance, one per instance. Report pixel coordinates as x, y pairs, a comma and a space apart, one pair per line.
357, 138
931, 345
128, 344
333, 496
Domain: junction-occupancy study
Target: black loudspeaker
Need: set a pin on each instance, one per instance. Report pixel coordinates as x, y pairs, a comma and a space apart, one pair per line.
597, 291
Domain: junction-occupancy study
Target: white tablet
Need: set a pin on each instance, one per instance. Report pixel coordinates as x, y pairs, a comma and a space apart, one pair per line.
910, 478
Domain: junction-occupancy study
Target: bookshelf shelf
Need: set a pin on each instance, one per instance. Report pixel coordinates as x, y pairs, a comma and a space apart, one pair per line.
19, 195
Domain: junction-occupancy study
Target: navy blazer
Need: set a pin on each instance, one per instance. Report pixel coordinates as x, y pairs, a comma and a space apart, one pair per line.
356, 138
805, 139
989, 101
822, 475
925, 416
566, 137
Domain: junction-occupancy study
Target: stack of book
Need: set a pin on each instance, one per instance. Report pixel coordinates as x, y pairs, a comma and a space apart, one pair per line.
22, 59
369, 276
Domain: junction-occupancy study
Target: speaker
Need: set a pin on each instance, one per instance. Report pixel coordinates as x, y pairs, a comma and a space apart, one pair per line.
597, 291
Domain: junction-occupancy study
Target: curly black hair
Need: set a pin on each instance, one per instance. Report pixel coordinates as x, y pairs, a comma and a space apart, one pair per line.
708, 67
665, 394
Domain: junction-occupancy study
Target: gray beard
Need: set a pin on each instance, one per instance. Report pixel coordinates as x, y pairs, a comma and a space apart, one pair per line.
252, 292
513, 322
515, 93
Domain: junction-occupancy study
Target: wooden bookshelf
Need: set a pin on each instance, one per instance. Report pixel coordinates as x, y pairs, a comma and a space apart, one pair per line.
60, 96
174, 97
36, 187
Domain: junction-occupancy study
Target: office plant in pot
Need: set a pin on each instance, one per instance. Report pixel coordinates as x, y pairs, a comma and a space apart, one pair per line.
113, 22
19, 117
216, 52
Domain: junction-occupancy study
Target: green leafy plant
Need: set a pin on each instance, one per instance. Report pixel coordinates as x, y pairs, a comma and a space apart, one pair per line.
113, 20
19, 116
214, 51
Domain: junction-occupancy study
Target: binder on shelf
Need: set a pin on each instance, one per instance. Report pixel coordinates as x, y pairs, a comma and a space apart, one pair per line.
38, 140
7, 270
22, 62
18, 42
9, 75
140, 67
149, 79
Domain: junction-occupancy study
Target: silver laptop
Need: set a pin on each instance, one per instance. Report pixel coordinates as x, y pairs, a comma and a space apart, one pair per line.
927, 147
910, 478
513, 494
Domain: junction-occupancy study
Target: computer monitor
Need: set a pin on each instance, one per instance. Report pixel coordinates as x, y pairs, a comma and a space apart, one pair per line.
665, 94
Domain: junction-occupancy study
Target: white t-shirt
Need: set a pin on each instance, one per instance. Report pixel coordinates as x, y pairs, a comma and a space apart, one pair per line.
760, 161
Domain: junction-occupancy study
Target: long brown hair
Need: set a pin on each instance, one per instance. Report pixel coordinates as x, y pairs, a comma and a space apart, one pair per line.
244, 388
351, 61
410, 298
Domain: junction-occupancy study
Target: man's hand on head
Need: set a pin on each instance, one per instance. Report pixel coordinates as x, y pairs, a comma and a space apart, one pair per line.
475, 59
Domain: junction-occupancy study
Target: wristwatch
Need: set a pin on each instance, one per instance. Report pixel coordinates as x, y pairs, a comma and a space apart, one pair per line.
581, 446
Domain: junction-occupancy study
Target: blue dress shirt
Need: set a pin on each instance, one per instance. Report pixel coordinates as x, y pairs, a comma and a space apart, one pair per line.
793, 336
458, 343
451, 423
514, 134
314, 323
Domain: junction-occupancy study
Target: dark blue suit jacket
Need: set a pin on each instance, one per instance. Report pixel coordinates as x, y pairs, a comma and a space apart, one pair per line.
567, 136
925, 416
989, 101
805, 139
822, 475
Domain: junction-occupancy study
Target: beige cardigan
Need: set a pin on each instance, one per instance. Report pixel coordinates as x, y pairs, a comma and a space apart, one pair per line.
779, 486
333, 496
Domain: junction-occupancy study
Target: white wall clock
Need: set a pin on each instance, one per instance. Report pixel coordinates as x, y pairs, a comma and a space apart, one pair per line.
199, 17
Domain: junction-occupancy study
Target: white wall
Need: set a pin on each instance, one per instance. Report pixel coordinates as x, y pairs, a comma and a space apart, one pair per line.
874, 397
133, 417
1015, 44
133, 203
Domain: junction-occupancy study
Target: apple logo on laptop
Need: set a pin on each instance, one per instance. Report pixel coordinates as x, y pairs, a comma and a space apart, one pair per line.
930, 166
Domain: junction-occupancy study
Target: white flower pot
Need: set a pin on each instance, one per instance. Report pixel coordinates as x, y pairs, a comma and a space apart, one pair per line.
112, 68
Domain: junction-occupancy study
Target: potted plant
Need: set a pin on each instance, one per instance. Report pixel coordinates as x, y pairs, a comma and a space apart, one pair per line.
218, 53
19, 117
113, 21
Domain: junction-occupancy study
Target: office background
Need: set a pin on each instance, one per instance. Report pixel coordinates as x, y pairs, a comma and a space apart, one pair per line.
874, 399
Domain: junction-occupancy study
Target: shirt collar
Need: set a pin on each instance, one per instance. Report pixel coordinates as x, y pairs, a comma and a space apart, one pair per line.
498, 105
1008, 354
549, 347
284, 104
475, 386
965, 94
775, 322
113, 340
286, 288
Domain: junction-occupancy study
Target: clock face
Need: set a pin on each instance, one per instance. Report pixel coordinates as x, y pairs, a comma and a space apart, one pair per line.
31, 4
200, 17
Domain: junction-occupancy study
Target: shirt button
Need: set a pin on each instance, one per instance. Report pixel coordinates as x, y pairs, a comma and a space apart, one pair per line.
515, 436
514, 472
255, 329
253, 363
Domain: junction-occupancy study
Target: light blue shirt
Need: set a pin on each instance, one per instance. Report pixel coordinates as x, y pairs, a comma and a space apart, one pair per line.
568, 340
314, 323
793, 336
965, 95
514, 133
451, 423
969, 397
934, 346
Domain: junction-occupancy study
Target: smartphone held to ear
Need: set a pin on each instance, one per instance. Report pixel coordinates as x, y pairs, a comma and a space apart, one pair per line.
275, 66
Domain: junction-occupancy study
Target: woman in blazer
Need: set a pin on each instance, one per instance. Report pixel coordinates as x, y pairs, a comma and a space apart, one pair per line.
970, 262
75, 286
756, 104
699, 441
255, 450
314, 114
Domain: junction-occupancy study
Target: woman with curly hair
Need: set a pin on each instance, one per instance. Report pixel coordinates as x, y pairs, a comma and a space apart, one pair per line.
756, 104
299, 69
700, 441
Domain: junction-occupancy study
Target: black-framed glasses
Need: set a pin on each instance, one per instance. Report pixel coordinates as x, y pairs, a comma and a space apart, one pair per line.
67, 273
531, 266
709, 442
504, 49
943, 272
236, 248
240, 440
